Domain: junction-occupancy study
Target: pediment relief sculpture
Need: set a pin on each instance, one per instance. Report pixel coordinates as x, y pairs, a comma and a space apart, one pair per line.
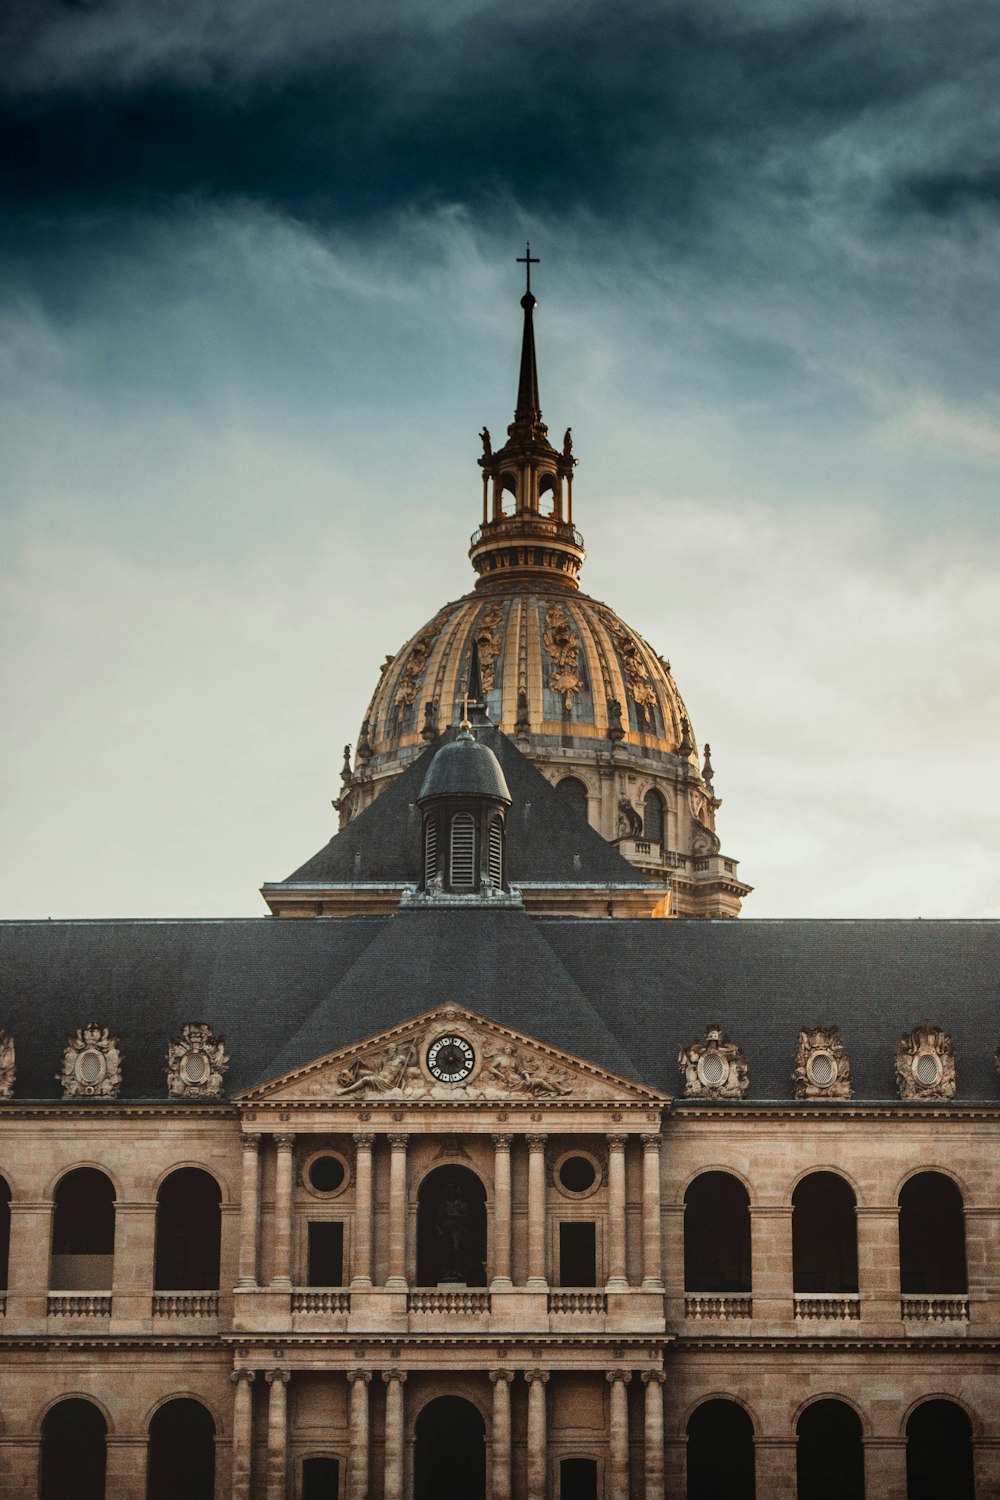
196, 1063
8, 1066
92, 1064
925, 1064
714, 1068
451, 1055
822, 1066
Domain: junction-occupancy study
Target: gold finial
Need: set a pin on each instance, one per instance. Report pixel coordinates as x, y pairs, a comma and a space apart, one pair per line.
466, 721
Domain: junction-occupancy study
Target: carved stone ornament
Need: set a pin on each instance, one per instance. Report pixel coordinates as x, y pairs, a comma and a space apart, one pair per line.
641, 690
416, 665
92, 1065
8, 1065
925, 1064
714, 1068
196, 1063
505, 1070
563, 650
489, 639
822, 1067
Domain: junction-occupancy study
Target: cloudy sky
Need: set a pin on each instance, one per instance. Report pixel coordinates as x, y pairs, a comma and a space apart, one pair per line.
258, 294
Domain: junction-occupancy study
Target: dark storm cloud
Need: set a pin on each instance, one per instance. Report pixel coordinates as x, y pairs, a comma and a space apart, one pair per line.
651, 109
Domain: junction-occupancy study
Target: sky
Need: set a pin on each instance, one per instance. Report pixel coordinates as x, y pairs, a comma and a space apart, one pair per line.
259, 292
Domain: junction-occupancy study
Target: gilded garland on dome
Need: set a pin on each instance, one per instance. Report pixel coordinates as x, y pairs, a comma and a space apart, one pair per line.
416, 665
563, 649
489, 639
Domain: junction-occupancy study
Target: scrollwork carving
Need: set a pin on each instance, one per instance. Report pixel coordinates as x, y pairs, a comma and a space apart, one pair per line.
714, 1068
92, 1064
822, 1067
564, 650
925, 1063
489, 639
8, 1065
641, 690
196, 1063
416, 665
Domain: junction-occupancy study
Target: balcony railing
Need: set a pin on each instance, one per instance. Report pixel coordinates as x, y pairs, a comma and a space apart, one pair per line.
934, 1309
326, 1301
437, 1300
185, 1304
833, 1305
578, 1302
79, 1304
722, 1306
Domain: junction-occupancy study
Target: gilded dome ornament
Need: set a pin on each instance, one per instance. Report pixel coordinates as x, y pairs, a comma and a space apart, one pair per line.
563, 650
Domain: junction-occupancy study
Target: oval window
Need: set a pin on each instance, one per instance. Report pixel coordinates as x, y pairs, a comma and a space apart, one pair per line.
327, 1173
577, 1174
712, 1069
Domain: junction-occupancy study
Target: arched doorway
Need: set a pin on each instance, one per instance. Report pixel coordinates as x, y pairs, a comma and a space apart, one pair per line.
939, 1453
830, 1460
188, 1232
720, 1456
181, 1452
73, 1452
450, 1451
451, 1228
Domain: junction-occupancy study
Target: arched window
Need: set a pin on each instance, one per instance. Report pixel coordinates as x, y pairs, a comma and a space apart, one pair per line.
931, 1237
188, 1225
939, 1453
4, 1233
824, 1235
578, 1479
83, 1232
74, 1452
181, 1454
829, 1458
720, 1459
496, 852
463, 851
716, 1234
652, 817
320, 1479
451, 1228
573, 791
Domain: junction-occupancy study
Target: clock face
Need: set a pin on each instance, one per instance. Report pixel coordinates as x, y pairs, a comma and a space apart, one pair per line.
450, 1059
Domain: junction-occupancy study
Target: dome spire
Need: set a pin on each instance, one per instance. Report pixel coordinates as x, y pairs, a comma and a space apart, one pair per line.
529, 408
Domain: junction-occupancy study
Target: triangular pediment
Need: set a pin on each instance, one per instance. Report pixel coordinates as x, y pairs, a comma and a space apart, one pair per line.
401, 1064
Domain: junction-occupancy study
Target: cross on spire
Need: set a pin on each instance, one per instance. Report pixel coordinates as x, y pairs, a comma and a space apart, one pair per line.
527, 260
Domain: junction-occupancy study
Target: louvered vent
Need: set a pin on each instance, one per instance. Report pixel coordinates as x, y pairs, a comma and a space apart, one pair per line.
463, 851
430, 850
496, 853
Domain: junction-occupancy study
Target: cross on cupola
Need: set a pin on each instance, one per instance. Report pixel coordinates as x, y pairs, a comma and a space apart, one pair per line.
527, 525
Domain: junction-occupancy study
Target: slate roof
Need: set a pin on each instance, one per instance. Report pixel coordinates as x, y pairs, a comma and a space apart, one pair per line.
547, 839
624, 994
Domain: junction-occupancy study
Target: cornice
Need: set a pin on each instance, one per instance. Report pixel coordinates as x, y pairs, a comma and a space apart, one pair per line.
114, 1109
871, 1346
848, 1109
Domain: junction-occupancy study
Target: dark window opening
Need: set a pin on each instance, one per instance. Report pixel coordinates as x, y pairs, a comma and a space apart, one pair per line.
451, 1228
430, 849
824, 1235
327, 1173
720, 1457
73, 1453
83, 1232
326, 1253
188, 1232
829, 1457
496, 852
463, 851
320, 1479
939, 1453
574, 793
4, 1233
450, 1457
577, 1254
931, 1237
577, 1174
181, 1452
578, 1479
652, 817
716, 1234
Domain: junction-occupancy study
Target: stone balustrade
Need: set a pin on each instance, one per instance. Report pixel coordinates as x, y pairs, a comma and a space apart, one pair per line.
326, 1301
837, 1306
79, 1305
934, 1309
451, 1300
185, 1304
700, 1306
578, 1302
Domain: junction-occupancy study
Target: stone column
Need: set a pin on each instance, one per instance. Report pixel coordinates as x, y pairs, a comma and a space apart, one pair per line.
771, 1254
361, 1250
394, 1381
618, 1435
617, 1271
536, 1212
397, 1212
538, 1456
885, 1467
359, 1381
277, 1433
249, 1210
281, 1268
878, 1268
652, 1270
242, 1451
28, 1286
501, 1212
501, 1379
775, 1464
654, 1380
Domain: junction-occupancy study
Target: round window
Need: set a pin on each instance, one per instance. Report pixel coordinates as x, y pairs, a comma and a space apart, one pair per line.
577, 1174
194, 1067
327, 1173
821, 1069
90, 1066
712, 1070
927, 1069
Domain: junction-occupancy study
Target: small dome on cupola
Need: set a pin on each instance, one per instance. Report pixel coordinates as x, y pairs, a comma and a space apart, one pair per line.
463, 803
464, 768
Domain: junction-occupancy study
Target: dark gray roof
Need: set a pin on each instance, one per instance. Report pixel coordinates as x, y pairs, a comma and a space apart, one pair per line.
464, 768
547, 839
624, 994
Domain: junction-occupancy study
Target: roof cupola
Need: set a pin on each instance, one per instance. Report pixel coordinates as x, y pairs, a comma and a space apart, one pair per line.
463, 803
527, 529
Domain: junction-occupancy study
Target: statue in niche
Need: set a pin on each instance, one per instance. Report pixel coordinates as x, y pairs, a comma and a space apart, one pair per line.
451, 1225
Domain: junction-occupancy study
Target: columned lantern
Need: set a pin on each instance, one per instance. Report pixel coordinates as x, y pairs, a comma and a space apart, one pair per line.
463, 802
